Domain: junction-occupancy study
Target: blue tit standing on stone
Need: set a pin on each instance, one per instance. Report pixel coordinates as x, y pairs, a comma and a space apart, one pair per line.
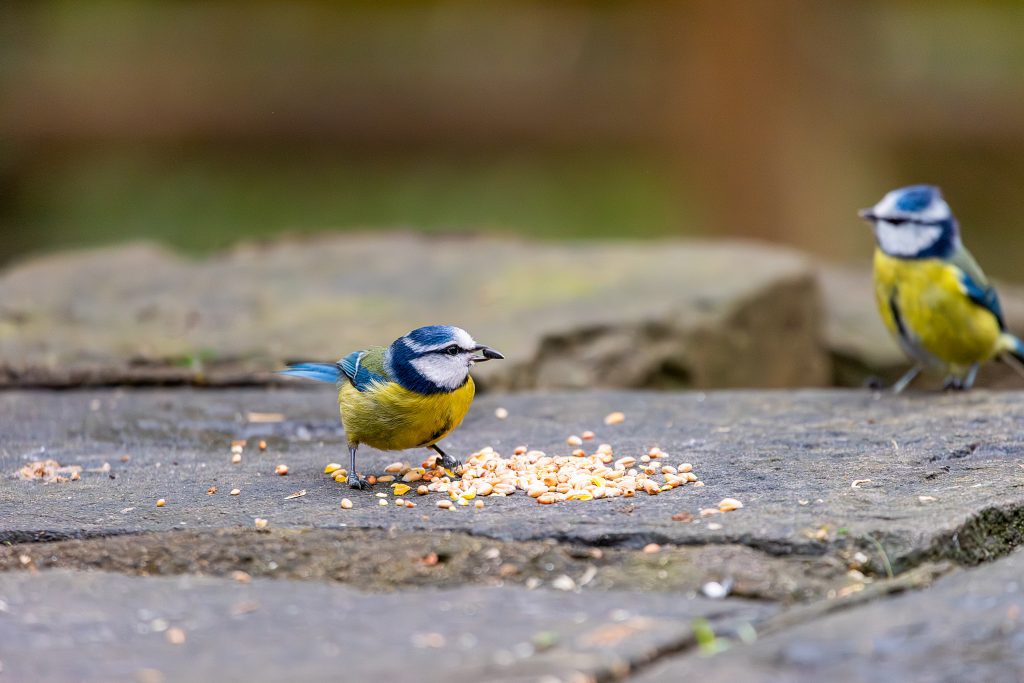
931, 293
408, 395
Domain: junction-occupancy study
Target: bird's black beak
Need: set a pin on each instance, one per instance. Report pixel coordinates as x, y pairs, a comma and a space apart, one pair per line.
488, 354
867, 214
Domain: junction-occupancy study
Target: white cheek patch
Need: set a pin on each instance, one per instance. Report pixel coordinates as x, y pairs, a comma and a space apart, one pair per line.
908, 239
447, 372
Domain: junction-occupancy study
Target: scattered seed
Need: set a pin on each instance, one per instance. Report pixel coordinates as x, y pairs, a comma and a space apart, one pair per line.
546, 499
444, 504
729, 504
263, 445
381, 494
587, 435
236, 458
260, 523
281, 470
652, 548
395, 468
857, 483
422, 490
501, 413
478, 504
371, 480
410, 504
574, 441
175, 636
264, 417
241, 577
125, 458
212, 490
297, 494
382, 502
614, 418
346, 504
235, 492
400, 489
927, 499
332, 468
563, 583
341, 476
160, 503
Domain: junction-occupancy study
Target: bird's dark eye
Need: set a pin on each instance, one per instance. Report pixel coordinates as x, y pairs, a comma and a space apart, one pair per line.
452, 350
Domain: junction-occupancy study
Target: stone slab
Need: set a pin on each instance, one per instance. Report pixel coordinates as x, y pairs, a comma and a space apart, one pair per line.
900, 479
626, 314
96, 626
967, 627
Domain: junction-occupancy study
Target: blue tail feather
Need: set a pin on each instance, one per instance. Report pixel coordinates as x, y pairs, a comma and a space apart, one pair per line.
319, 372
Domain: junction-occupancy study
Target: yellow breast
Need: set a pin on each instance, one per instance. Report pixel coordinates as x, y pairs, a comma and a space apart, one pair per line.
951, 330
391, 418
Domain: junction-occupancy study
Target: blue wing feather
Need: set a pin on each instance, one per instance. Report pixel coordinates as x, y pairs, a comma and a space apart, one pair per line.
360, 376
983, 295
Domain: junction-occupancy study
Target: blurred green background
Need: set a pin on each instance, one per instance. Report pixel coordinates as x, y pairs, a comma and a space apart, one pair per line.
200, 124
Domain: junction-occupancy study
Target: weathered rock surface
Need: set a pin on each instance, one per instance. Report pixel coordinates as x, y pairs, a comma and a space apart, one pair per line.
924, 475
968, 627
669, 314
64, 626
830, 480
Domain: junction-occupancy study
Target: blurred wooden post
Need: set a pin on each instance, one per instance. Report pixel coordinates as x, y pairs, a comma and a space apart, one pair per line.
759, 122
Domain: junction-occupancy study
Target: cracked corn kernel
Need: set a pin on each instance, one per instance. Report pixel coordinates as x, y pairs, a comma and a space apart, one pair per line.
160, 503
400, 489
212, 490
332, 468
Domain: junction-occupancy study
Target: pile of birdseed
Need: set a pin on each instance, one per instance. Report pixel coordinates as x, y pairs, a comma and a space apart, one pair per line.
548, 479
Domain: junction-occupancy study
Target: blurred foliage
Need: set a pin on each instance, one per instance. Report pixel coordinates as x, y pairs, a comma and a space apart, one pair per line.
200, 124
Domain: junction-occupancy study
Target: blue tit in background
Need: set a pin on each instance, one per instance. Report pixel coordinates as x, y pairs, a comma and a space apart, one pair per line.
408, 395
931, 293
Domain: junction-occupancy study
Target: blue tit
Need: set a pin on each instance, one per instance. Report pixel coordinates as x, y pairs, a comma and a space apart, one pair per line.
931, 293
408, 395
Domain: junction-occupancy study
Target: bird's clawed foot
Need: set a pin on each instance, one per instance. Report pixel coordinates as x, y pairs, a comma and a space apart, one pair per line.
449, 463
954, 384
356, 482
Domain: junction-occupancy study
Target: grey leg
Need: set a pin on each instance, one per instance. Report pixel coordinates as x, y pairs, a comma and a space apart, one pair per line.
353, 479
906, 379
446, 461
972, 375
